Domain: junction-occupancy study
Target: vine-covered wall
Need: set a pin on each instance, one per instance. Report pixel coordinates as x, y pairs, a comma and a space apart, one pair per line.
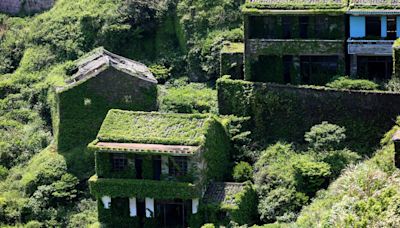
396, 59
282, 112
82, 109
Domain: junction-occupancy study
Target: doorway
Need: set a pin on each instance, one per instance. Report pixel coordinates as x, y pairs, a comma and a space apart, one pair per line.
171, 214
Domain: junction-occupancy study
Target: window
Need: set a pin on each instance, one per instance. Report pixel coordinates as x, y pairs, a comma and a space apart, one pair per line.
318, 70
304, 22
119, 162
391, 27
178, 166
263, 27
287, 66
374, 67
373, 26
287, 23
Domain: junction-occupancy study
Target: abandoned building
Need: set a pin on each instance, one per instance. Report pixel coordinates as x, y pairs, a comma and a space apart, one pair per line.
100, 81
153, 168
309, 42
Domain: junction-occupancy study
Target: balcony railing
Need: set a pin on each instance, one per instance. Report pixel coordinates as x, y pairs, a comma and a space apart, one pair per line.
370, 47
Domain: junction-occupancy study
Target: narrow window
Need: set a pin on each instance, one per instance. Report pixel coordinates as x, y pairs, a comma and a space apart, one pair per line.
119, 162
157, 167
287, 66
391, 27
178, 166
287, 27
304, 22
373, 27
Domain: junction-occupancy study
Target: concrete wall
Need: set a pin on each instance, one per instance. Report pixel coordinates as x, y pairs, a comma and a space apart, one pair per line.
25, 6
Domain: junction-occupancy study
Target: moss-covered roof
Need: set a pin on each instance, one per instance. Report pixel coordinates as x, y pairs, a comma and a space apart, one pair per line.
99, 60
233, 48
374, 4
154, 128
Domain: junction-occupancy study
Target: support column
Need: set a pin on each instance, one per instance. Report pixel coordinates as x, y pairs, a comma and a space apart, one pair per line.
195, 206
106, 201
353, 65
132, 207
164, 165
149, 207
396, 140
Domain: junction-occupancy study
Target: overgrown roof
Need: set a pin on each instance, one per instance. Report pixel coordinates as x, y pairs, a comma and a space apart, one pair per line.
222, 192
296, 4
154, 128
374, 4
99, 60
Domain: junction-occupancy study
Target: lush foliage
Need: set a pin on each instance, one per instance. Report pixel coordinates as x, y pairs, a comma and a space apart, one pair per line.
190, 98
242, 172
325, 136
352, 84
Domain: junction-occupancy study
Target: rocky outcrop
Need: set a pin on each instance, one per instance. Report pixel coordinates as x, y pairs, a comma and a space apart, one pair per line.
25, 6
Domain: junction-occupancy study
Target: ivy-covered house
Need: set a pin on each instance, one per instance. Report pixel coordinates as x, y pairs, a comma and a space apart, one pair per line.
373, 26
98, 82
297, 42
153, 168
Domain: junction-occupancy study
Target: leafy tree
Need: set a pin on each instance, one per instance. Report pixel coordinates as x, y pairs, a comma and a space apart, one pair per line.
242, 172
325, 137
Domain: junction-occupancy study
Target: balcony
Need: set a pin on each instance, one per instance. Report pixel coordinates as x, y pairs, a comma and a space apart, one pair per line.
370, 47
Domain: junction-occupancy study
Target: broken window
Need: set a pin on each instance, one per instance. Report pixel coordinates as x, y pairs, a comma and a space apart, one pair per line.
391, 27
373, 26
119, 162
263, 27
318, 70
178, 166
287, 23
304, 23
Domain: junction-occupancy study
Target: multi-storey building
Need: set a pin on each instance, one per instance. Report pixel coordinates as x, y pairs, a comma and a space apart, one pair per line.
373, 27
152, 168
309, 42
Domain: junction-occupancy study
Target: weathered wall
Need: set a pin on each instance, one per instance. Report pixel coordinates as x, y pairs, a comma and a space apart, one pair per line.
282, 112
82, 109
25, 6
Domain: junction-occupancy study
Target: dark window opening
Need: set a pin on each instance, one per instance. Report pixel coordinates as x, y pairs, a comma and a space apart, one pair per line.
373, 26
139, 168
304, 23
262, 27
374, 67
318, 70
157, 167
287, 24
119, 162
322, 27
391, 27
287, 66
171, 214
119, 208
141, 211
178, 166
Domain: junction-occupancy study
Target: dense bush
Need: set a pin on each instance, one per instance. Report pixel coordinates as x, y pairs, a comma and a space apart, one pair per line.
245, 211
393, 85
352, 84
160, 72
191, 98
311, 176
242, 172
325, 136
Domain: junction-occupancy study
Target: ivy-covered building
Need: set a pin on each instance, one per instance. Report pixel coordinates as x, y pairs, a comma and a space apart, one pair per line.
152, 169
373, 27
297, 42
309, 42
98, 82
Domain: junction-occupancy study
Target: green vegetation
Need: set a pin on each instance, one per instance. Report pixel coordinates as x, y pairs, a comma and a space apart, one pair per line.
352, 84
190, 98
242, 172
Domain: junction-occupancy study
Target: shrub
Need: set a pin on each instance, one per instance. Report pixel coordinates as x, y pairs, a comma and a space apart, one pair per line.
311, 176
352, 84
325, 136
393, 85
3, 172
160, 72
338, 160
246, 211
208, 225
242, 172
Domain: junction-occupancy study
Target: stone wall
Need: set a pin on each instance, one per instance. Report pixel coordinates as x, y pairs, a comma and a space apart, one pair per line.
281, 112
25, 6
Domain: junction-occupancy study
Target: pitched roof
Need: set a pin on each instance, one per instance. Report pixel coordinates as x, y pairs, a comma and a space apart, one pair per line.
99, 60
222, 192
154, 128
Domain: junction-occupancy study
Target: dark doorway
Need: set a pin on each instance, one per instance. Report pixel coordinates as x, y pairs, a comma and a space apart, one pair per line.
157, 167
391, 27
374, 67
373, 26
139, 168
318, 70
171, 214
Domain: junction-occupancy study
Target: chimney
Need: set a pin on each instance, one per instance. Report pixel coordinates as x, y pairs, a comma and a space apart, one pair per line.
396, 140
